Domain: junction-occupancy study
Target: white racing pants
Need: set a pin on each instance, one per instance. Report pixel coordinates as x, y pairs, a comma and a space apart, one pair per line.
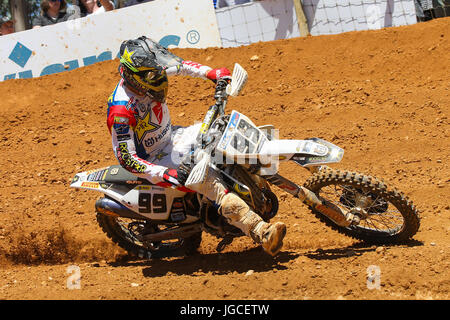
231, 206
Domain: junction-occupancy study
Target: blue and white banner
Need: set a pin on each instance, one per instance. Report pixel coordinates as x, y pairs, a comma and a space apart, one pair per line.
84, 41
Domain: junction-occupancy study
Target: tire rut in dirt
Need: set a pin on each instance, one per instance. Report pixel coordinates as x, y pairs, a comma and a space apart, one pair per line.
125, 240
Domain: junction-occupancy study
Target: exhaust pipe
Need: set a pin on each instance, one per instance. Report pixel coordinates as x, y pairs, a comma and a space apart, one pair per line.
113, 208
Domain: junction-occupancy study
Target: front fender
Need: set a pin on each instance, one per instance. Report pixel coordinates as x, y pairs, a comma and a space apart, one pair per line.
309, 152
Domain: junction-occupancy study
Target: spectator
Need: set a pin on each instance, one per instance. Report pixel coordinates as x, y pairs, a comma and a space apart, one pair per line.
228, 3
52, 12
6, 26
130, 3
88, 7
423, 11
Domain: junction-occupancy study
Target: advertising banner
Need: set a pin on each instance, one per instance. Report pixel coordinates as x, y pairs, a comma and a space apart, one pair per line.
84, 41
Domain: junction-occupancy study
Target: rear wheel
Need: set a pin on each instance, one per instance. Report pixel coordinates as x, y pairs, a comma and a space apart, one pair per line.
386, 215
127, 232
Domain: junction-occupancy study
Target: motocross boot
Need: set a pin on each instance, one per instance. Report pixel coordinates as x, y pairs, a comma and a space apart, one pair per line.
272, 237
237, 212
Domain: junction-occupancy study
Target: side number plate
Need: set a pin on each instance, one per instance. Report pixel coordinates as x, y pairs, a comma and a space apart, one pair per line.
152, 203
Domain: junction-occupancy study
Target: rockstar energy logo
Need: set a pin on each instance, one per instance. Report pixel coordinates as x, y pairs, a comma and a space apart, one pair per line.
126, 59
144, 126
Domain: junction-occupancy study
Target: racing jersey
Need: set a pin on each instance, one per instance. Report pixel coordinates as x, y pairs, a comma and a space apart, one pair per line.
140, 126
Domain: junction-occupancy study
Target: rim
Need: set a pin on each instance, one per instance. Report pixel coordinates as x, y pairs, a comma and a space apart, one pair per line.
376, 213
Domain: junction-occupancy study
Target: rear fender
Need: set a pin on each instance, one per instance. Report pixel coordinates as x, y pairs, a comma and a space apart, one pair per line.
89, 179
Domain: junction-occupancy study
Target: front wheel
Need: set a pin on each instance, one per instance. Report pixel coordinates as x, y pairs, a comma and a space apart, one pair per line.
127, 232
386, 215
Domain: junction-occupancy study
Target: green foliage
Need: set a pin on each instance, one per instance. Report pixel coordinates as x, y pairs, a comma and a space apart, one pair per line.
33, 9
4, 8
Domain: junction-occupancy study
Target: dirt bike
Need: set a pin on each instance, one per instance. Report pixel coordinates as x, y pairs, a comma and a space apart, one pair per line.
150, 221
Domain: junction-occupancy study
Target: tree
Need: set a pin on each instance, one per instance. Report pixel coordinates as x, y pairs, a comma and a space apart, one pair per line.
19, 14
22, 11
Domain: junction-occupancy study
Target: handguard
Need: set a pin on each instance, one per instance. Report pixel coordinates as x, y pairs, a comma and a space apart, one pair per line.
238, 80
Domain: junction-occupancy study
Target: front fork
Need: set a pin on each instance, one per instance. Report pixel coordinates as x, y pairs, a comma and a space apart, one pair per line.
330, 210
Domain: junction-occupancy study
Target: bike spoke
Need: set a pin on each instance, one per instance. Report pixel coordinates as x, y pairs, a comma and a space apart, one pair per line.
379, 219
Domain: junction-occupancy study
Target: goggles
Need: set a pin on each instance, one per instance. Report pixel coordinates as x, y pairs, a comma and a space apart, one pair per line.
149, 75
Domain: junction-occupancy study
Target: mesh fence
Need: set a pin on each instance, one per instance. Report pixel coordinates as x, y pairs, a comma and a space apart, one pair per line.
337, 16
257, 21
266, 20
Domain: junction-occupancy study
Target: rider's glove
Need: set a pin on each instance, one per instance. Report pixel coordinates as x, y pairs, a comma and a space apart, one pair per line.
216, 74
176, 177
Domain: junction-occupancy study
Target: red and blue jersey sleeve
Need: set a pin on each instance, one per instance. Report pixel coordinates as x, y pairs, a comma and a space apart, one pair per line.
189, 68
121, 122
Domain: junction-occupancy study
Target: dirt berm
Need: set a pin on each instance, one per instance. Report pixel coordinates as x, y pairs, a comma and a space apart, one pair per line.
383, 96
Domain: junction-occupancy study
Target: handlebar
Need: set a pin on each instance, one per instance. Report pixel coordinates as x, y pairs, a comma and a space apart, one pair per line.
216, 109
225, 87
221, 97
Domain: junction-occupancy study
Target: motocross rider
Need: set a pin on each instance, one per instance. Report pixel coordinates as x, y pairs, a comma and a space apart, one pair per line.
146, 144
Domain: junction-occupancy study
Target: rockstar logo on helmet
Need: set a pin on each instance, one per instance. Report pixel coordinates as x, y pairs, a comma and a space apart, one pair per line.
126, 59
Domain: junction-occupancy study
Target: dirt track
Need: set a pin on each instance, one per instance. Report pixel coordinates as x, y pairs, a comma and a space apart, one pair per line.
384, 96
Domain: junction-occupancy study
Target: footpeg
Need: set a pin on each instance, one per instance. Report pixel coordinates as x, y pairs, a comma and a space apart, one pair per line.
224, 243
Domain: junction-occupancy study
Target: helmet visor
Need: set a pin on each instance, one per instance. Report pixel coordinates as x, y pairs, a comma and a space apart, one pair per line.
148, 76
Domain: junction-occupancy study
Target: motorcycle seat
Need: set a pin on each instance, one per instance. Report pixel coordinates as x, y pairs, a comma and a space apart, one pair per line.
118, 175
